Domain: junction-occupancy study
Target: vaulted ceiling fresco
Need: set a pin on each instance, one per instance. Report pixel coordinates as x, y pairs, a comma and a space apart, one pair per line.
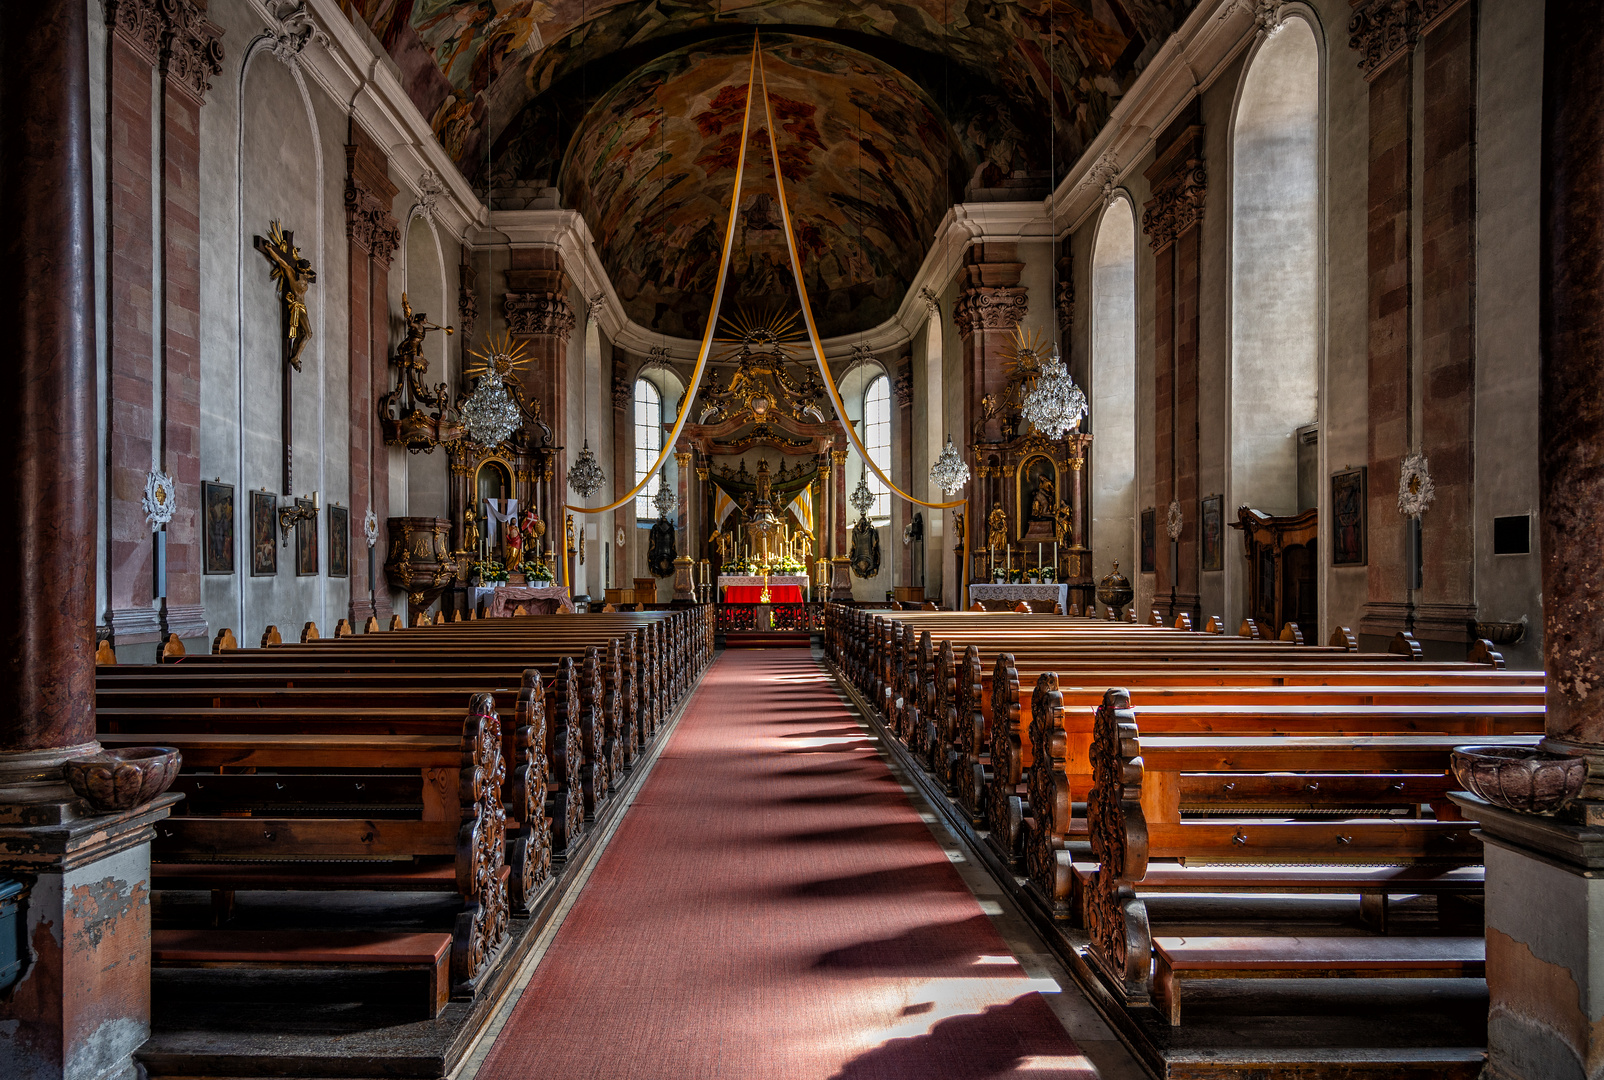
508, 86
864, 153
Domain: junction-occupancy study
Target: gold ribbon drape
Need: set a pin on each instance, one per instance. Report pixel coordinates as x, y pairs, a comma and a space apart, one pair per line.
712, 316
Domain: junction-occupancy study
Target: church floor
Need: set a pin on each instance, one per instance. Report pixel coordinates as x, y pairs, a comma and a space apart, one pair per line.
773, 905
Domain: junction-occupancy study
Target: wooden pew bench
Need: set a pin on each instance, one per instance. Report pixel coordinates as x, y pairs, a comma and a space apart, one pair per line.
1182, 959
349, 951
240, 833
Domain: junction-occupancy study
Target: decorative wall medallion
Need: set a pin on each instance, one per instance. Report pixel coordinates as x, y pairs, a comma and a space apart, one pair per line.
1415, 489
370, 527
160, 499
1173, 521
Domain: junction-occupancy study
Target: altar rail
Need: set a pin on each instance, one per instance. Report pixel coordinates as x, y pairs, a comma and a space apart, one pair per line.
786, 617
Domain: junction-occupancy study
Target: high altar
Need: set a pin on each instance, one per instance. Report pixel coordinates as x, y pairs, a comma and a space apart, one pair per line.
743, 518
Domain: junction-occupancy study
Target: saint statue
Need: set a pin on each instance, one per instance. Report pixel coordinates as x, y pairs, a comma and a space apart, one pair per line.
470, 530
515, 546
997, 524
1063, 525
1044, 503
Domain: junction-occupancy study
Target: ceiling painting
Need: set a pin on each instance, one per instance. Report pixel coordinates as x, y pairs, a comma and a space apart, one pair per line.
865, 155
489, 59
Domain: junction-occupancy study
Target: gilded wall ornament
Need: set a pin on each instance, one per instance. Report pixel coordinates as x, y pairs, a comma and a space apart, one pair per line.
293, 275
160, 499
1173, 521
1415, 489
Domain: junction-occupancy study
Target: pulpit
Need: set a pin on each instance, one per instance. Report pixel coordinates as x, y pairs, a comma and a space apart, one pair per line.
1283, 567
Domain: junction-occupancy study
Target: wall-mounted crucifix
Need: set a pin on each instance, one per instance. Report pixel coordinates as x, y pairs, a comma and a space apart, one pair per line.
293, 275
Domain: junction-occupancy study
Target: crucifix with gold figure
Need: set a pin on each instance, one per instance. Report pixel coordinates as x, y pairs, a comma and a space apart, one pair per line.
293, 274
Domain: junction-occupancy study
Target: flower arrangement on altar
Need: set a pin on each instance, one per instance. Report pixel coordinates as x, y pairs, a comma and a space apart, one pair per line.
786, 564
537, 570
742, 566
490, 572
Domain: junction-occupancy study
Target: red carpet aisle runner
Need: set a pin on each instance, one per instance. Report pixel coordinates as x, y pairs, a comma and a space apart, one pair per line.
773, 907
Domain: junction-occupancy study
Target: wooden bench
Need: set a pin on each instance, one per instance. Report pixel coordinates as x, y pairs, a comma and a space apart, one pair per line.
427, 953
1182, 959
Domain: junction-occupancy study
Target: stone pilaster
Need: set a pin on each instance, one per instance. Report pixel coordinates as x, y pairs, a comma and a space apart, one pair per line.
1171, 220
536, 309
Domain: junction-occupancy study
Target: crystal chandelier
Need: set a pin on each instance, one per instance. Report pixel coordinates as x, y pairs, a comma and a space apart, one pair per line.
489, 413
862, 497
1055, 405
586, 476
949, 473
663, 500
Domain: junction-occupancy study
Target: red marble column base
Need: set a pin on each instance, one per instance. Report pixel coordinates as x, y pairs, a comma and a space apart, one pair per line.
841, 578
82, 1005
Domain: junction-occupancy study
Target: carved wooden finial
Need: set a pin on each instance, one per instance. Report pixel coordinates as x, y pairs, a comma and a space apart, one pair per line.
1482, 652
419, 619
372, 625
1404, 644
342, 628
1250, 629
270, 637
224, 641
519, 610
1291, 632
309, 633
1183, 621
1215, 625
396, 623
439, 618
104, 653
172, 650
1343, 638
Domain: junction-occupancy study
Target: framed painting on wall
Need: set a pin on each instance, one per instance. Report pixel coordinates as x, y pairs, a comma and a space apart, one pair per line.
306, 539
264, 545
339, 541
1348, 525
1149, 547
1213, 530
217, 515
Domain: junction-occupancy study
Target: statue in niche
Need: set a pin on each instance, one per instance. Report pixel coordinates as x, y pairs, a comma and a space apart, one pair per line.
293, 275
409, 354
660, 550
1039, 489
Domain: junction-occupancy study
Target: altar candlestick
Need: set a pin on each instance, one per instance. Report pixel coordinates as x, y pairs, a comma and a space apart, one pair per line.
1055, 560
1038, 555
1009, 552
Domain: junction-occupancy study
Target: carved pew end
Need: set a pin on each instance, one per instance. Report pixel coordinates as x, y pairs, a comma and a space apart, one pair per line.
420, 618
1215, 625
1404, 644
105, 654
371, 626
396, 623
977, 606
1482, 652
1183, 621
1343, 638
1154, 618
1291, 632
172, 650
224, 641
270, 637
342, 628
1250, 630
1130, 616
309, 633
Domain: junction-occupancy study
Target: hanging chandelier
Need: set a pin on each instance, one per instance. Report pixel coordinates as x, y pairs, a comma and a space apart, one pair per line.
663, 500
586, 476
1055, 405
862, 497
949, 473
489, 413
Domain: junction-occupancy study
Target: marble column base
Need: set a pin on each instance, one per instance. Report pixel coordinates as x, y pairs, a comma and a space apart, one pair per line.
684, 585
841, 578
1545, 945
82, 1005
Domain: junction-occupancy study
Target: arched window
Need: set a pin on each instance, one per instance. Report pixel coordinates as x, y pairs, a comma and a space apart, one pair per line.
877, 440
648, 444
1113, 392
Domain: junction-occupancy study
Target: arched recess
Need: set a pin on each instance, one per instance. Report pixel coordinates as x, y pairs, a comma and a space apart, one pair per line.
668, 389
423, 278
863, 379
1275, 288
1112, 420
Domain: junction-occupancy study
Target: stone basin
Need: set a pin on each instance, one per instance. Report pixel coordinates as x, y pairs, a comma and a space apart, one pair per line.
1521, 778
123, 778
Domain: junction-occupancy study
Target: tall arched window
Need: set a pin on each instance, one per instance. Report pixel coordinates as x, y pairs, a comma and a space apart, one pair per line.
648, 444
877, 440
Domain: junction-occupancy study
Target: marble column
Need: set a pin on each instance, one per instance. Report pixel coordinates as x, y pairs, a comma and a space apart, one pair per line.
684, 564
1545, 875
537, 310
81, 1005
841, 565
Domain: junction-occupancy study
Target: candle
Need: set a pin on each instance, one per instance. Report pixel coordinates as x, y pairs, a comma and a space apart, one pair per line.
1038, 555
1009, 552
1055, 560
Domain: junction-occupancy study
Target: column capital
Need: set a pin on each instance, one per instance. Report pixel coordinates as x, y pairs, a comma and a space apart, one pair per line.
532, 313
369, 195
1383, 30
1180, 185
190, 53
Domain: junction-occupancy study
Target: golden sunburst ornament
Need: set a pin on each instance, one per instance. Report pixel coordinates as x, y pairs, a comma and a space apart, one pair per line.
502, 354
1028, 349
767, 329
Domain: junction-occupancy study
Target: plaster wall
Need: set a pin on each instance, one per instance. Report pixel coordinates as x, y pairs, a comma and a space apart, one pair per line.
428, 279
1111, 385
272, 149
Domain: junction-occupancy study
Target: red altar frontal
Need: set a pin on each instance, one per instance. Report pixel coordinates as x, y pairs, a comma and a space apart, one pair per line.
748, 589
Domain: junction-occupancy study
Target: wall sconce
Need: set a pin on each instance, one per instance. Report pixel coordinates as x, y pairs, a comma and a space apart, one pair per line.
288, 516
